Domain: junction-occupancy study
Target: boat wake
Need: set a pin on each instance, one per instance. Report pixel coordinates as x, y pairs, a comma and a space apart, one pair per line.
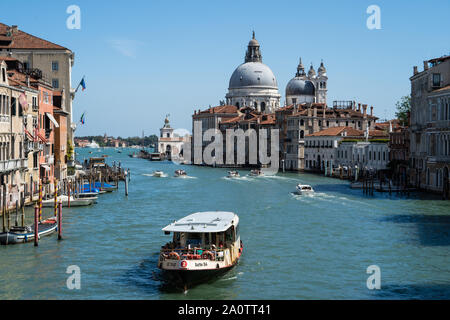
153, 175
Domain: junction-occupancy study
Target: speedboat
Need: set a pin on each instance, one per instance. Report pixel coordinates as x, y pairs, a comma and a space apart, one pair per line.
74, 202
158, 174
204, 245
304, 189
233, 174
180, 173
256, 173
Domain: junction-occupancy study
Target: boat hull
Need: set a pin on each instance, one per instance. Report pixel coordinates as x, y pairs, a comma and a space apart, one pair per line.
189, 278
73, 203
44, 229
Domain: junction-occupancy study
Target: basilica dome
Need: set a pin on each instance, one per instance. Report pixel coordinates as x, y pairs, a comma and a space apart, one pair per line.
253, 74
300, 87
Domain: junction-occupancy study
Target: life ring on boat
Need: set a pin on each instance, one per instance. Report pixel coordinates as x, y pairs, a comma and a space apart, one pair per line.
208, 255
174, 255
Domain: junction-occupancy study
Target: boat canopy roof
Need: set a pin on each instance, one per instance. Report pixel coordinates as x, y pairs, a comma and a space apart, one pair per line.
205, 222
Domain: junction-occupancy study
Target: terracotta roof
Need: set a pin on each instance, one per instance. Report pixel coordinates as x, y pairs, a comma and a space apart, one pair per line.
221, 109
378, 133
337, 131
23, 40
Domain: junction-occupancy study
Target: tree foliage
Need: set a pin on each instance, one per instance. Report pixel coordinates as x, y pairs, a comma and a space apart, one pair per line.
403, 107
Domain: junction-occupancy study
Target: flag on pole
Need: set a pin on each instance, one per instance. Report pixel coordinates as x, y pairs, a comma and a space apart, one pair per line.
82, 119
83, 84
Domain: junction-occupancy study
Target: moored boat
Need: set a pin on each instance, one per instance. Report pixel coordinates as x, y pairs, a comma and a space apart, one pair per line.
304, 189
26, 234
204, 245
74, 202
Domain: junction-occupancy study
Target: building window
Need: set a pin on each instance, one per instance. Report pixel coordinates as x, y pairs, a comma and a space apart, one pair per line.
55, 83
436, 79
55, 66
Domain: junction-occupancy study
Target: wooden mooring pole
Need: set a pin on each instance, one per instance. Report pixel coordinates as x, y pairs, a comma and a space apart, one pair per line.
60, 220
56, 199
36, 225
126, 183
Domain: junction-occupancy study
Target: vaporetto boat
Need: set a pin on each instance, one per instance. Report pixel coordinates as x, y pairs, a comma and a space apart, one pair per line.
204, 245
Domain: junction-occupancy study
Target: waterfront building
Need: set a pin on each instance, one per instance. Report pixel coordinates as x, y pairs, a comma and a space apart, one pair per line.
336, 147
169, 143
298, 121
253, 83
60, 137
54, 61
430, 125
399, 154
15, 99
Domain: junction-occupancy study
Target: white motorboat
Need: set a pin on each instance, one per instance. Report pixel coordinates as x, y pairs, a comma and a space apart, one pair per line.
158, 173
256, 173
233, 174
204, 244
180, 173
304, 189
74, 202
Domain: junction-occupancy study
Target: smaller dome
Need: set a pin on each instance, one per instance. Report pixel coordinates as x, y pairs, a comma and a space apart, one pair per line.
300, 87
311, 72
253, 43
321, 69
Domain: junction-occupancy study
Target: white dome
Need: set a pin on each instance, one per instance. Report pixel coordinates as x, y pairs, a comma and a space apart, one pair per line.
253, 74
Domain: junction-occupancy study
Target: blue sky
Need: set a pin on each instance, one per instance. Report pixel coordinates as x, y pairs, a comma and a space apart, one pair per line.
145, 59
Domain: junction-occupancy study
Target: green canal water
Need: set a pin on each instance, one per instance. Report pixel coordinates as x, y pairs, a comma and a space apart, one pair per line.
296, 247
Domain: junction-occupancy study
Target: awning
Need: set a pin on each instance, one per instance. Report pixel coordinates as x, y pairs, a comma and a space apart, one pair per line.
46, 167
42, 138
30, 136
52, 119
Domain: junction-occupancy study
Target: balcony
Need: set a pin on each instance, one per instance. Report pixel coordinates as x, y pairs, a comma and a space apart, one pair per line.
11, 165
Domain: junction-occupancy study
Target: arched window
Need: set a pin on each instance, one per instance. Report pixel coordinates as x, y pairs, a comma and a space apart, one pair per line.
256, 105
263, 106
302, 134
302, 122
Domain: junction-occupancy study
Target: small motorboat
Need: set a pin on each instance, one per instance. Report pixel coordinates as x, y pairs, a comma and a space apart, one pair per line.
256, 173
304, 189
233, 174
88, 195
158, 174
26, 234
180, 173
74, 202
204, 245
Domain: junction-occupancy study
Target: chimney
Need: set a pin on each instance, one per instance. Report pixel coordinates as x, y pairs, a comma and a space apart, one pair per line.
354, 105
371, 110
14, 29
415, 70
28, 81
425, 65
364, 110
359, 107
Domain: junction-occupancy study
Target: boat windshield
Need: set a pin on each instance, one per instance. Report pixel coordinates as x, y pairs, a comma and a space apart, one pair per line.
196, 243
